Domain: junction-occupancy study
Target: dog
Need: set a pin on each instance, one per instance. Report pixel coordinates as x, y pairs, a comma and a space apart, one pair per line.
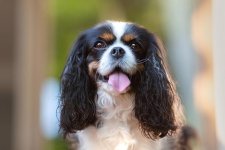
117, 93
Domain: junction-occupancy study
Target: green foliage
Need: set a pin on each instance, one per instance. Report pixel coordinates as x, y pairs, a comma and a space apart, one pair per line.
55, 144
71, 17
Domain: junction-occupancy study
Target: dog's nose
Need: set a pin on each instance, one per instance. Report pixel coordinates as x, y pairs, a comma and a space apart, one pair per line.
117, 52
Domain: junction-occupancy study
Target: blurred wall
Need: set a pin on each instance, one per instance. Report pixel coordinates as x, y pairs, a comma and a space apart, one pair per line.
219, 71
7, 92
31, 49
203, 83
23, 47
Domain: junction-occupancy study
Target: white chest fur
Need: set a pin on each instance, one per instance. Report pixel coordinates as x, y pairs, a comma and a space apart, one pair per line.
118, 129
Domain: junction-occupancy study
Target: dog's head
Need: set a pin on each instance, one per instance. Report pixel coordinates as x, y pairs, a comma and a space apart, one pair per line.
121, 58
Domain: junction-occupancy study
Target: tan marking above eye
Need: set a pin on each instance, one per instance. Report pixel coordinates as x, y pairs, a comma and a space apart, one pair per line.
107, 36
128, 37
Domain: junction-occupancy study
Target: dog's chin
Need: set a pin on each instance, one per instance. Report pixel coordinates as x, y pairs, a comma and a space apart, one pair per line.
117, 82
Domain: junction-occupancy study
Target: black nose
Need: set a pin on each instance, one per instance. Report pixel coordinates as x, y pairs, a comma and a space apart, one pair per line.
117, 52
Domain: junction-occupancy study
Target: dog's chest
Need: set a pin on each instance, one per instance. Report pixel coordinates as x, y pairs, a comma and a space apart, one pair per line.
116, 129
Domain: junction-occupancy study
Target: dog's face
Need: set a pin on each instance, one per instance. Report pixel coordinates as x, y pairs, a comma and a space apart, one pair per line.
119, 57
115, 53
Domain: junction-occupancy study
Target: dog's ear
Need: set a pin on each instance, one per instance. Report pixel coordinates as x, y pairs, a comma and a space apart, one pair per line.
78, 91
156, 96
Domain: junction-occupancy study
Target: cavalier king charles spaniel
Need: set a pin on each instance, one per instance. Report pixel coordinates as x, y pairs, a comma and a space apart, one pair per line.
117, 94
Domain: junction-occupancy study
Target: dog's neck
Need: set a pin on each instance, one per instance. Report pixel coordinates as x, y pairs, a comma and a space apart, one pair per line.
111, 104
116, 128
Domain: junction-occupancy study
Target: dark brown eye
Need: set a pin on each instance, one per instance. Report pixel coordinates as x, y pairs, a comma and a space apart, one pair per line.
100, 44
134, 45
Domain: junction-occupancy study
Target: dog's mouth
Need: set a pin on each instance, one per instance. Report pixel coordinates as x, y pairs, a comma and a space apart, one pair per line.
118, 79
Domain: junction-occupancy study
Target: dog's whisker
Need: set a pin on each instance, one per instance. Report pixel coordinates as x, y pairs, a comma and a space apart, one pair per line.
142, 61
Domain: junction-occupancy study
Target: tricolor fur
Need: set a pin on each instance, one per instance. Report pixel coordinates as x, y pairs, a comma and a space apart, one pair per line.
141, 111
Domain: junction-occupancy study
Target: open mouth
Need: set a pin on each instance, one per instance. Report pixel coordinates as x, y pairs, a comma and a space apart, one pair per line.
118, 79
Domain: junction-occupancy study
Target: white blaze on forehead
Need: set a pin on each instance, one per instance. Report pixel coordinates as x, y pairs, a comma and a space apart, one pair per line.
128, 62
118, 28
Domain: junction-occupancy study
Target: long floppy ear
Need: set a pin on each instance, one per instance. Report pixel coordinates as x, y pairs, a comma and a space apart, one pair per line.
156, 99
78, 91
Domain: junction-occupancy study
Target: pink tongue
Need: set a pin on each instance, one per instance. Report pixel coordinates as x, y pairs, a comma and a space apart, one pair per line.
119, 81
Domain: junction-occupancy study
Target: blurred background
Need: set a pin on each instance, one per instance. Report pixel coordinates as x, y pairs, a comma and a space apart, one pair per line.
35, 39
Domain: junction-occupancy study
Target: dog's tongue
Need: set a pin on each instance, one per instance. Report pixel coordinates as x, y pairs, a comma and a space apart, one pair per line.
119, 81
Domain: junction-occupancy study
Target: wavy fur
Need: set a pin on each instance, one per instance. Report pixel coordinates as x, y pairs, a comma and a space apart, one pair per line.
78, 91
155, 99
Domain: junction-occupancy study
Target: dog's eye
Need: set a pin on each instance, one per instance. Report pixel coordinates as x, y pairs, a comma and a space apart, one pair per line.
134, 45
100, 44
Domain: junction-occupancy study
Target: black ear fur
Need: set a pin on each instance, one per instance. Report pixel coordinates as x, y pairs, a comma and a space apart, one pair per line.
78, 91
156, 94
